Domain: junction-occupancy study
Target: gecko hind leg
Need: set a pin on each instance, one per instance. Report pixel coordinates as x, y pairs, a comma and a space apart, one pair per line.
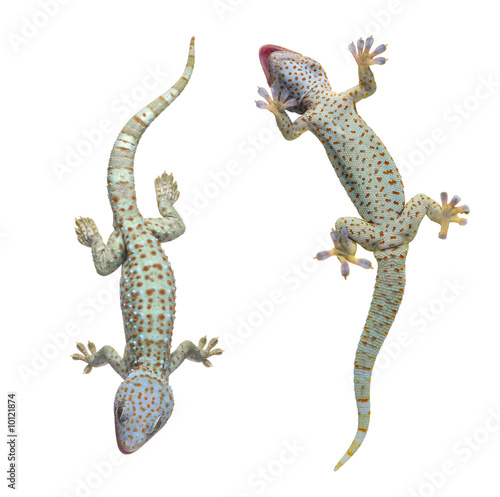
421, 205
107, 258
86, 230
166, 189
170, 225
345, 250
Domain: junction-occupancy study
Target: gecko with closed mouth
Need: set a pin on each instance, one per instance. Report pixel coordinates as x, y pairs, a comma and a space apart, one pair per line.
144, 400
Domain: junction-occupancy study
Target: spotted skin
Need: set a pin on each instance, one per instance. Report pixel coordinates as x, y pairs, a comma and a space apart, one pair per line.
144, 401
371, 179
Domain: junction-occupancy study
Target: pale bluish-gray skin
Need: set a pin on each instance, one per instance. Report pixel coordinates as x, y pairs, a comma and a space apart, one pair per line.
144, 401
371, 180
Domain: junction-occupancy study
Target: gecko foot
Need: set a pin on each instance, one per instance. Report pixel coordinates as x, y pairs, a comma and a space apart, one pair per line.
345, 249
203, 353
86, 230
86, 357
362, 55
278, 103
449, 213
166, 188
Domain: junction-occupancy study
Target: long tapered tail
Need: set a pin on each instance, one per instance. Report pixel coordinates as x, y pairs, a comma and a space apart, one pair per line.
121, 187
387, 296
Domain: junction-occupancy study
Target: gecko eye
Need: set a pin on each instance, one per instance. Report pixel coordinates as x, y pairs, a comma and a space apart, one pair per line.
157, 425
119, 413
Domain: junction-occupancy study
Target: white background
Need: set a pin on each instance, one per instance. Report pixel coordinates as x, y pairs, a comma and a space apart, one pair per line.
285, 380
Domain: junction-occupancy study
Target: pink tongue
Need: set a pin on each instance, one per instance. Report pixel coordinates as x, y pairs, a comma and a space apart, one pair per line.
264, 53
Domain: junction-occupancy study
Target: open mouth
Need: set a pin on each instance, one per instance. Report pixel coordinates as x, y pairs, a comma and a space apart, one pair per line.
264, 53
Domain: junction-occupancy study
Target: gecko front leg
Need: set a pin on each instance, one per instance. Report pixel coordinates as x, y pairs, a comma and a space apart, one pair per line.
171, 225
188, 350
277, 104
364, 59
97, 358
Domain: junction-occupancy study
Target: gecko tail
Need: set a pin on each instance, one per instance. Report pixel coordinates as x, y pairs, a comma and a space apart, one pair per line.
363, 422
121, 187
387, 296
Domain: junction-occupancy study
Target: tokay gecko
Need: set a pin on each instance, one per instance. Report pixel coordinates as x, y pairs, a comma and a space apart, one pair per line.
144, 400
372, 182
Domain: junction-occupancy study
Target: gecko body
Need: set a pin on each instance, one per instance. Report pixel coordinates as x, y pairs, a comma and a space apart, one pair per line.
371, 179
144, 400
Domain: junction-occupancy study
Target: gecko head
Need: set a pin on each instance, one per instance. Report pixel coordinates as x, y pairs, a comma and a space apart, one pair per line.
291, 71
143, 405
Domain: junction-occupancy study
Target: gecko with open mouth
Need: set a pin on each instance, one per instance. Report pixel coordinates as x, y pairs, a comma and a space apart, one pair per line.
372, 182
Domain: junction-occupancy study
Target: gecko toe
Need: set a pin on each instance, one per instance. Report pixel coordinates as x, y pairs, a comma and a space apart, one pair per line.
365, 263
325, 254
344, 268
